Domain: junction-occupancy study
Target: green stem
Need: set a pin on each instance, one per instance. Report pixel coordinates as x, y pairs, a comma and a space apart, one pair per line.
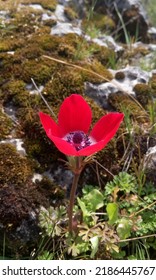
73, 192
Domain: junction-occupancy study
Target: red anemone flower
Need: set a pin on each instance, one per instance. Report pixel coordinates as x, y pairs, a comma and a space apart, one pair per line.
71, 135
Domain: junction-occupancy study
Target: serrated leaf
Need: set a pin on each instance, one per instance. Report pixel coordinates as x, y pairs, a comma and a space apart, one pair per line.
73, 250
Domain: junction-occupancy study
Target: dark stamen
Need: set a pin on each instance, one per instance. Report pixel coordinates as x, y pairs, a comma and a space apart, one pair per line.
78, 137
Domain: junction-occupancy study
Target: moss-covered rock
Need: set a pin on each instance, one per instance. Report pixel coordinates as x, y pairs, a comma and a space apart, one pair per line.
15, 169
15, 92
152, 84
124, 103
143, 94
119, 75
46, 4
6, 125
39, 70
104, 55
51, 190
29, 51
101, 22
8, 67
38, 146
46, 41
70, 13
96, 72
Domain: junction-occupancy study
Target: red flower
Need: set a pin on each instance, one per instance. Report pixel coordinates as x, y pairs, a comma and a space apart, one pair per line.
71, 136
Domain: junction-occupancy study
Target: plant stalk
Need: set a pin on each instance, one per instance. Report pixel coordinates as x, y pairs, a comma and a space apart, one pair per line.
77, 173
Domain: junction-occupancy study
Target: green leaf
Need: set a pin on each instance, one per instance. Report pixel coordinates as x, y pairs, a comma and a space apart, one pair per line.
83, 207
112, 211
91, 201
124, 228
95, 200
95, 244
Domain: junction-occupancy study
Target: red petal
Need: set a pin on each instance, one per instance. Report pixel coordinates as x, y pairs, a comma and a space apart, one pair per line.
50, 127
63, 146
52, 131
107, 126
90, 150
75, 114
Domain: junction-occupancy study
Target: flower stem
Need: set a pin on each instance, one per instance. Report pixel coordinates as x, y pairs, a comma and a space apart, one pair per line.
77, 173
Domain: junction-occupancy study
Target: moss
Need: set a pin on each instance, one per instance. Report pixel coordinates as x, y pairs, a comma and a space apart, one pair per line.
119, 75
103, 54
152, 84
123, 102
72, 46
70, 13
29, 51
15, 92
46, 4
5, 67
99, 73
5, 45
49, 22
14, 206
36, 143
132, 55
139, 51
99, 21
143, 95
40, 70
46, 41
66, 50
6, 125
15, 169
65, 80
24, 23
10, 44
18, 202
51, 189
75, 48
97, 111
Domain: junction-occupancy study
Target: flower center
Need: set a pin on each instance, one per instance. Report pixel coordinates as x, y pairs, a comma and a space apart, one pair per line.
78, 139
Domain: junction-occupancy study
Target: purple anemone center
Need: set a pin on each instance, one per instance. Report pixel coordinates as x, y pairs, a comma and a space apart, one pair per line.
78, 139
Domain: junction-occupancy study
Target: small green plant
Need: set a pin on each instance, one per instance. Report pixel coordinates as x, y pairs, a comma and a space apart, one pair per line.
128, 39
121, 182
92, 31
105, 222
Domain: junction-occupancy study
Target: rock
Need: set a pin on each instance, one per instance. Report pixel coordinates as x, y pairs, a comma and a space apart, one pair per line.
152, 34
129, 77
133, 16
150, 164
64, 28
109, 42
150, 159
99, 93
